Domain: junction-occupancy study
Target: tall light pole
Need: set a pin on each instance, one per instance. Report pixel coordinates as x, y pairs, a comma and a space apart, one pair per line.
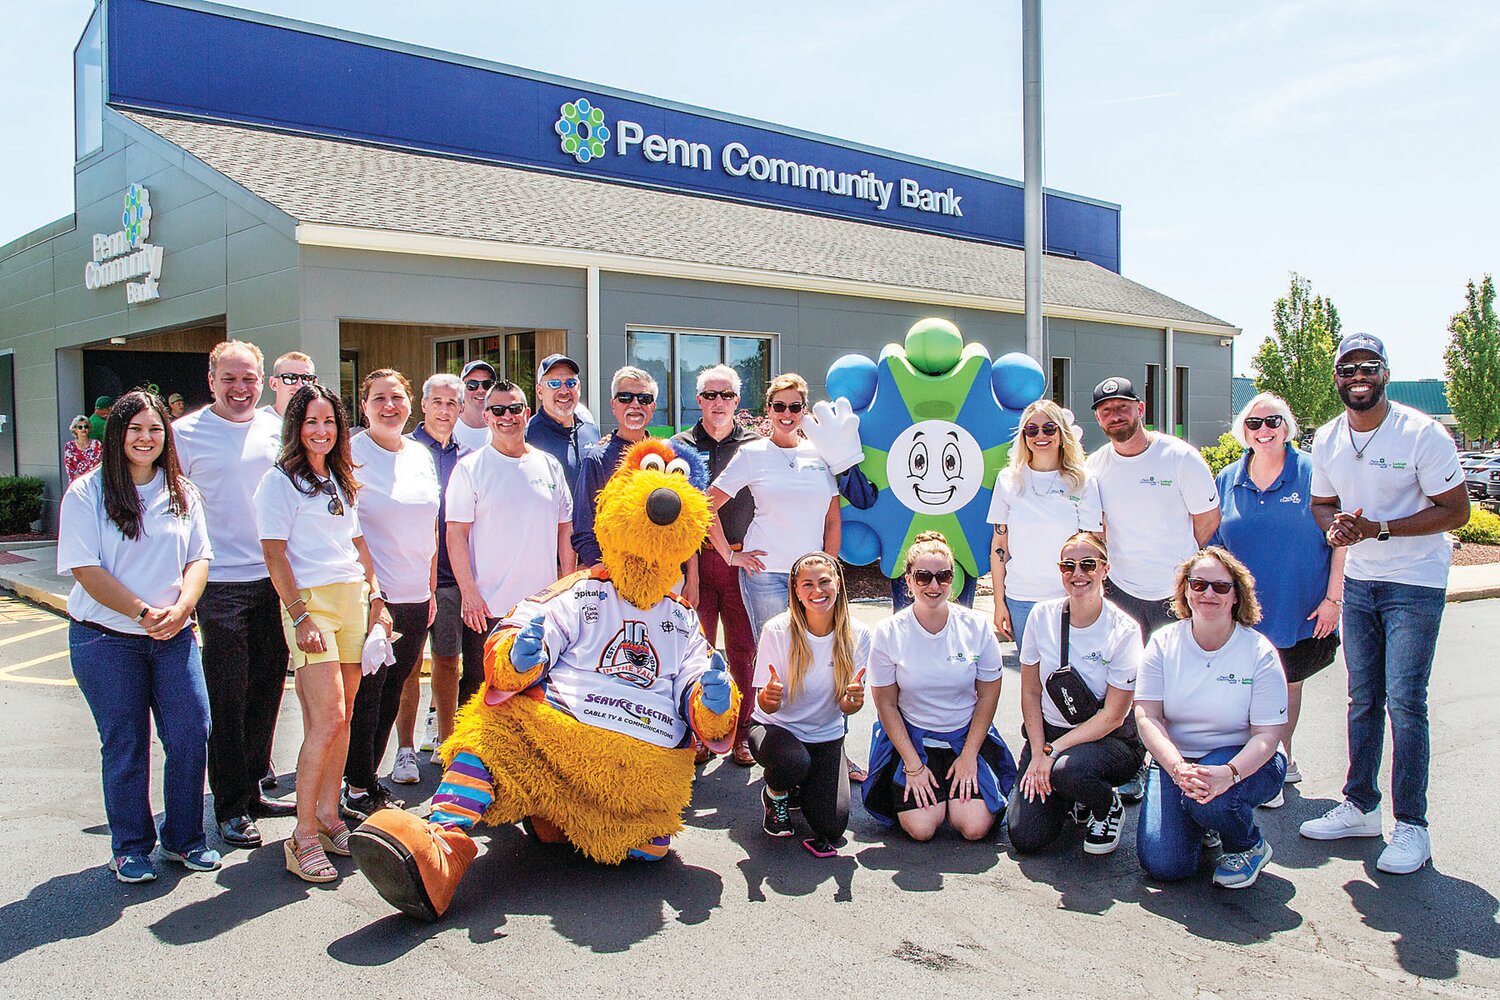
1031, 72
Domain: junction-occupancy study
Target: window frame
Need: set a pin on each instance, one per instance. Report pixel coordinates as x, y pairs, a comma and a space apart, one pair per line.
674, 392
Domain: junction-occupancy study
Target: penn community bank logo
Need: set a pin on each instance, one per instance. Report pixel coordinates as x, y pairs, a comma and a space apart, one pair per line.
580, 125
135, 220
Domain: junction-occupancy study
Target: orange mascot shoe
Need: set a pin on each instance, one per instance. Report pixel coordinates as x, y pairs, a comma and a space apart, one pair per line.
414, 864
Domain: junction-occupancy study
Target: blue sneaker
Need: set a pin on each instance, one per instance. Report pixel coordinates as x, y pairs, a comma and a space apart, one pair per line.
1135, 789
132, 868
1239, 871
202, 859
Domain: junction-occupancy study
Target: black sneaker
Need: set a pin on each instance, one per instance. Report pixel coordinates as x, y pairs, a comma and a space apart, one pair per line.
778, 821
1102, 836
373, 799
1135, 789
794, 799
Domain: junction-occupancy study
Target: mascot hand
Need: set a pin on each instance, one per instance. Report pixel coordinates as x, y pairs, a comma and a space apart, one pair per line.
833, 429
715, 687
528, 650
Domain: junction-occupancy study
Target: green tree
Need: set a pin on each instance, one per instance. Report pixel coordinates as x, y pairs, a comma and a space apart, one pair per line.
1473, 362
1296, 361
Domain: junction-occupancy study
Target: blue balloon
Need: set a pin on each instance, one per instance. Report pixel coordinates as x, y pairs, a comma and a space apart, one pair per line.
853, 377
1018, 380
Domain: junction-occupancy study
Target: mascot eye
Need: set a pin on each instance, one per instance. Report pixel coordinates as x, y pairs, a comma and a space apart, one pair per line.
678, 466
952, 462
917, 461
654, 462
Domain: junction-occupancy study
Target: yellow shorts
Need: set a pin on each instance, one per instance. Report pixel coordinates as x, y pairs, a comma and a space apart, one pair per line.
339, 610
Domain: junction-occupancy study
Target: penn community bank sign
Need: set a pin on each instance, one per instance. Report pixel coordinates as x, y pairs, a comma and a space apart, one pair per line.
128, 254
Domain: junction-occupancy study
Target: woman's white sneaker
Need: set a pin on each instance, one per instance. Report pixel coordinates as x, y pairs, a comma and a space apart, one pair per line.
1410, 848
1343, 820
406, 771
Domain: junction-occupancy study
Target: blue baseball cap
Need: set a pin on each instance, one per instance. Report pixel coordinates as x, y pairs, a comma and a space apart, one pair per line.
1361, 342
556, 359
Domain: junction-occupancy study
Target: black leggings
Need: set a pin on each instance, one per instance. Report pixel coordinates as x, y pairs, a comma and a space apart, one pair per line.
379, 696
1087, 773
817, 768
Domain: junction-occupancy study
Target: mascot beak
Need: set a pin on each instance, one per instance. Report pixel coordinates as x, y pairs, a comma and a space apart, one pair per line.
663, 506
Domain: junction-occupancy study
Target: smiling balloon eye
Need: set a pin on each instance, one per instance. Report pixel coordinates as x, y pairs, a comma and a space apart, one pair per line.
654, 462
917, 460
952, 461
678, 466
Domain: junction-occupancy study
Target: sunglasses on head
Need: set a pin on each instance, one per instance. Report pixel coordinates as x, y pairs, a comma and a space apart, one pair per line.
781, 407
1032, 430
1088, 564
717, 394
926, 576
474, 384
1371, 368
1274, 421
644, 398
335, 505
1220, 586
501, 409
558, 383
292, 378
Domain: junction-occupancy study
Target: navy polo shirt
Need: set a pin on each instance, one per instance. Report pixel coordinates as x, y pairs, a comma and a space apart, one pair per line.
445, 457
598, 464
566, 444
1273, 533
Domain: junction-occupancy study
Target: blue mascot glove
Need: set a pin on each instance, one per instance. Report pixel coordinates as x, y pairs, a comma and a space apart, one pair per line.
716, 687
527, 651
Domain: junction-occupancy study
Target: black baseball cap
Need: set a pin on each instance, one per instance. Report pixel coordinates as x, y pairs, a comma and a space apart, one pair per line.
1361, 342
478, 364
1114, 387
556, 359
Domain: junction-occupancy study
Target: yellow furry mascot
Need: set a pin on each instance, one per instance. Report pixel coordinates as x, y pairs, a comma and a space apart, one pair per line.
591, 689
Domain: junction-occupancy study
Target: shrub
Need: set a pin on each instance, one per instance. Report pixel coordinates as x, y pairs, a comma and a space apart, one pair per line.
1225, 453
20, 503
1483, 528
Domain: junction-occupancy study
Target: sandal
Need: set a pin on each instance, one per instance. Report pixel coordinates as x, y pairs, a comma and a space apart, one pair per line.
857, 774
335, 840
308, 862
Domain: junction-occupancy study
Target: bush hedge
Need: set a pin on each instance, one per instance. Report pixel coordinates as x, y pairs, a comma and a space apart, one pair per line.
1483, 528
1225, 453
20, 503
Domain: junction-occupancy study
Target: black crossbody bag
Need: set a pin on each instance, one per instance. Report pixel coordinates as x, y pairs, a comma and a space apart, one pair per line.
1068, 691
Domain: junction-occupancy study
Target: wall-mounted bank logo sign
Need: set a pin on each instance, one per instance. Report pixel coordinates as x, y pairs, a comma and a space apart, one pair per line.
585, 136
127, 254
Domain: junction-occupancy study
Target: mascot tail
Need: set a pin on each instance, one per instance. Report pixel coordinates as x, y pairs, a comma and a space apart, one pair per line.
415, 865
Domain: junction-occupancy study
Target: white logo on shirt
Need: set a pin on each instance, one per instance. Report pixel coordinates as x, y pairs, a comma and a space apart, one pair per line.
1293, 497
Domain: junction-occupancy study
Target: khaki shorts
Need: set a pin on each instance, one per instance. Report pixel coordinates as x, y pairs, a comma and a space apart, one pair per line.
339, 610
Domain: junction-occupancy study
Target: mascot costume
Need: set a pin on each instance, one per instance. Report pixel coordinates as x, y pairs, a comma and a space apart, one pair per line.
590, 691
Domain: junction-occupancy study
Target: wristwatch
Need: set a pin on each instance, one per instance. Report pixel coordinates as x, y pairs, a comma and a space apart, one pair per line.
1385, 532
1046, 749
141, 614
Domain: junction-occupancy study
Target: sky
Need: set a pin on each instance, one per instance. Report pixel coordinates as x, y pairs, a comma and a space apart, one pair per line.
1354, 143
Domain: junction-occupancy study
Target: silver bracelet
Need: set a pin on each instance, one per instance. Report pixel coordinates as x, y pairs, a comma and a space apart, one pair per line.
300, 619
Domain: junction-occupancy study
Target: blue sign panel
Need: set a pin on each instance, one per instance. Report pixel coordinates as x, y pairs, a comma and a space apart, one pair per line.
196, 62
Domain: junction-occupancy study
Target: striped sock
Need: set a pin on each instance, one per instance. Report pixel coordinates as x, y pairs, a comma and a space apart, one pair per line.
464, 795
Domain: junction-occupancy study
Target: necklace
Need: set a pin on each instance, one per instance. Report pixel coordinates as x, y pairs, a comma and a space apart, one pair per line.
1031, 481
1359, 453
791, 459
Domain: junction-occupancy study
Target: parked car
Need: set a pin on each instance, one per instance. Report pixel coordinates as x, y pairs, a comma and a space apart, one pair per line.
1492, 488
1477, 475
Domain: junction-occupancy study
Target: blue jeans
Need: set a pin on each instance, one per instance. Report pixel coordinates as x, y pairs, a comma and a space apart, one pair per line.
765, 595
1020, 611
901, 593
1390, 632
1169, 829
125, 680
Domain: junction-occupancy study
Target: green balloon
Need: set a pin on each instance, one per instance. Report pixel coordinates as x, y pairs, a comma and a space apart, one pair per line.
934, 345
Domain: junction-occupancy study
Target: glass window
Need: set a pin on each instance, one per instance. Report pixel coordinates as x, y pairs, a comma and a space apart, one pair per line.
88, 91
1060, 387
449, 356
349, 383
751, 357
1180, 414
487, 349
652, 353
520, 363
695, 352
1153, 373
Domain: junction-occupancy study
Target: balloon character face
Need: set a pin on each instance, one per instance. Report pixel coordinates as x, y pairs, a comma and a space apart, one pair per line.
936, 419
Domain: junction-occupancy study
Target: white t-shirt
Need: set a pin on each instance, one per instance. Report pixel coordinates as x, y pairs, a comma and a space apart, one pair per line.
1104, 654
1410, 458
1211, 700
150, 566
1149, 501
792, 488
514, 506
270, 408
814, 717
1040, 513
935, 674
472, 438
398, 508
226, 461
319, 543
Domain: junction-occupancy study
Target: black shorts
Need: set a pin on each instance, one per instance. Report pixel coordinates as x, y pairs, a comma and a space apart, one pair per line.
939, 760
1308, 657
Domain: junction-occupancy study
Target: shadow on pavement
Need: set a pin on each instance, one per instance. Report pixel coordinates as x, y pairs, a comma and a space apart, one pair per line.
255, 888
1434, 917
77, 905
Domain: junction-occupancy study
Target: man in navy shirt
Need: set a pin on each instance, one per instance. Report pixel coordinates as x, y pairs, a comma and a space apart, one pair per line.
558, 428
632, 399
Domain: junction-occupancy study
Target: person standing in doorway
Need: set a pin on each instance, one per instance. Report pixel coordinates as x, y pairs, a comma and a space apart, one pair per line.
99, 417
83, 453
558, 427
632, 399
472, 428
290, 372
176, 405
1386, 484
225, 449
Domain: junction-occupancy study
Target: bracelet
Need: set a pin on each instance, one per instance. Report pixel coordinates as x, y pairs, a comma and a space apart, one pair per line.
1234, 773
911, 772
1332, 600
301, 618
298, 601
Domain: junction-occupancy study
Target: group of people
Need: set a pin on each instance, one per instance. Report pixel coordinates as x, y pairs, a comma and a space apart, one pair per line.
1165, 621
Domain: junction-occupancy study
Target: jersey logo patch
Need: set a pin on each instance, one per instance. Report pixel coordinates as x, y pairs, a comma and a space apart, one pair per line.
630, 655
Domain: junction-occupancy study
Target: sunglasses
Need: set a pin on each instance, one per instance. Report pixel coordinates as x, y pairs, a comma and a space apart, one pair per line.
1274, 421
1221, 587
292, 378
644, 398
558, 383
1047, 430
335, 505
1371, 368
926, 576
717, 394
501, 409
1088, 564
474, 384
781, 407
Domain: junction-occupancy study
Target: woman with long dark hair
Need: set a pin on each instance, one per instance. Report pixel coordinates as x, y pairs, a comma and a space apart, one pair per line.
309, 530
132, 534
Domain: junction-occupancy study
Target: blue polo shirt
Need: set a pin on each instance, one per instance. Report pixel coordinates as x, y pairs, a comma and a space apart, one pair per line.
566, 444
599, 463
1273, 533
445, 457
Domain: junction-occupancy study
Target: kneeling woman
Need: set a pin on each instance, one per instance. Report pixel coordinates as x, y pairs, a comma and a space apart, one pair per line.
797, 726
935, 669
1079, 659
1210, 702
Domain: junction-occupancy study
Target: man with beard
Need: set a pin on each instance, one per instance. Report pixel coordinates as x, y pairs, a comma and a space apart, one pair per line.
1386, 483
558, 428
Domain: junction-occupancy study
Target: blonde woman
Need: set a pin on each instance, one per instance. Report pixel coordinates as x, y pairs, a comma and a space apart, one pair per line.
1043, 498
83, 453
809, 672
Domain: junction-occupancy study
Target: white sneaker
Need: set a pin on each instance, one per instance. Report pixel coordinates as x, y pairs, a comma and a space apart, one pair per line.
436, 758
1343, 820
1275, 802
430, 734
1410, 848
1293, 775
406, 771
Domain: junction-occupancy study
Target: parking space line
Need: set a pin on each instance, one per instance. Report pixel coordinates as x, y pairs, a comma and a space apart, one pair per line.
33, 634
10, 673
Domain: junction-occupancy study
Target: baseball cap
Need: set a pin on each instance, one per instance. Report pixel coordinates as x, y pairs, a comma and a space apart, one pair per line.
478, 364
104, 401
556, 359
176, 397
1361, 342
1114, 387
